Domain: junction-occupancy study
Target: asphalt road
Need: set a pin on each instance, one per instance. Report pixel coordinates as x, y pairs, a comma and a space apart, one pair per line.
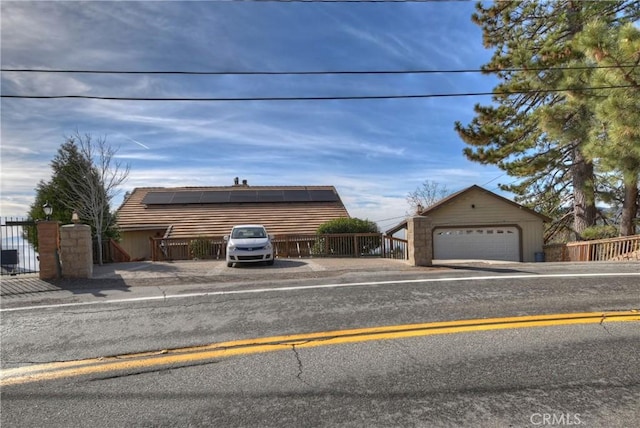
584, 374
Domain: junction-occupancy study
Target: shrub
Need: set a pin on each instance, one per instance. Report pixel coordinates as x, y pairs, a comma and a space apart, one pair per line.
200, 248
599, 232
334, 246
348, 225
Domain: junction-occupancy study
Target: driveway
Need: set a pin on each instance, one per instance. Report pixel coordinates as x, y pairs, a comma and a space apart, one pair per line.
125, 275
218, 270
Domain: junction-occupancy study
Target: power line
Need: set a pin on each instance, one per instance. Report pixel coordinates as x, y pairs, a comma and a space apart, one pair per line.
309, 73
344, 1
313, 98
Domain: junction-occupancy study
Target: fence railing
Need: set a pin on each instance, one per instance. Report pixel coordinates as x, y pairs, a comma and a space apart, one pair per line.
614, 249
286, 246
17, 240
112, 252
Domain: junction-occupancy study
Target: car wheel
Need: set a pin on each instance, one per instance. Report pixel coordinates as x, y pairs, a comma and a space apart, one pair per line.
270, 262
229, 264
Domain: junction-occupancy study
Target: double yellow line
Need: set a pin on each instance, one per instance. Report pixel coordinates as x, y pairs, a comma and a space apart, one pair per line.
185, 356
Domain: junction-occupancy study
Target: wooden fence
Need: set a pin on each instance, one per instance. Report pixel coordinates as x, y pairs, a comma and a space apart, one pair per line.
112, 252
614, 249
286, 246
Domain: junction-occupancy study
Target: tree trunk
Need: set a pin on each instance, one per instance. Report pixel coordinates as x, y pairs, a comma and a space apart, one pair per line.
584, 206
99, 241
629, 206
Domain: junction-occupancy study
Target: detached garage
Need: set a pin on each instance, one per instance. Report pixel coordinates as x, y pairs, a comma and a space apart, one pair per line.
478, 224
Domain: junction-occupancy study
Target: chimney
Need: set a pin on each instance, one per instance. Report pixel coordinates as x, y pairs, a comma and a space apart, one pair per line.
244, 183
236, 181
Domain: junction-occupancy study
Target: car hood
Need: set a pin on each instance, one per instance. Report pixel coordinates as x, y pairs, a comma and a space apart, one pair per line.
254, 242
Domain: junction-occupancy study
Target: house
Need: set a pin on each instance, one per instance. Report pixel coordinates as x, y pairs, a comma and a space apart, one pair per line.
478, 224
191, 212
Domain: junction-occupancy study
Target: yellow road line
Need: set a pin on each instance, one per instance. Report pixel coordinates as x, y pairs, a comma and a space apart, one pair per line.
190, 355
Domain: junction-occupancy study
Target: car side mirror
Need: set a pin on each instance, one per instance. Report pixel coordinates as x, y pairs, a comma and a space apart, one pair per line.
226, 238
271, 237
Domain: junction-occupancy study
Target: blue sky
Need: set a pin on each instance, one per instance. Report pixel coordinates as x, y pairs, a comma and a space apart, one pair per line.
374, 151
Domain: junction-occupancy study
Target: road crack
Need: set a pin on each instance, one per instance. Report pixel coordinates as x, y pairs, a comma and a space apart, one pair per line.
300, 366
602, 320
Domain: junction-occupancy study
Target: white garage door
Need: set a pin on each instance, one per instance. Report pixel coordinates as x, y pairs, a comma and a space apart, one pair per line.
480, 243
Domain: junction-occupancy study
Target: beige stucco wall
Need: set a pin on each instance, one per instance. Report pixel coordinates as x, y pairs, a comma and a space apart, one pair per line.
136, 243
477, 208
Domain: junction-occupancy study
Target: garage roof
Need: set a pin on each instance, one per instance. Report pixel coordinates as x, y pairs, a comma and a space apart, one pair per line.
454, 196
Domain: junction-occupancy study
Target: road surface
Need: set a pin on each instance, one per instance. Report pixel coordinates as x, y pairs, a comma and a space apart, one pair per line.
348, 352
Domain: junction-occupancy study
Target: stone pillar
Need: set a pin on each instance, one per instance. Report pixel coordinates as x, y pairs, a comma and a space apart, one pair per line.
76, 252
48, 245
419, 237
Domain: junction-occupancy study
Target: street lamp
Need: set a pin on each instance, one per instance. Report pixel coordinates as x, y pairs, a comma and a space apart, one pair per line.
48, 210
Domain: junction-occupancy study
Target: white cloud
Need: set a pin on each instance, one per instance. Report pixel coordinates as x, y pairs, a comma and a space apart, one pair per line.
373, 152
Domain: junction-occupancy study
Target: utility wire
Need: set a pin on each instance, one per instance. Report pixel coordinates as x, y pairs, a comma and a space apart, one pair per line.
345, 1
314, 98
309, 73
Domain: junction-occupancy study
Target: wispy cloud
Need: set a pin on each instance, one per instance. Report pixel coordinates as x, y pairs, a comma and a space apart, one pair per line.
139, 143
374, 152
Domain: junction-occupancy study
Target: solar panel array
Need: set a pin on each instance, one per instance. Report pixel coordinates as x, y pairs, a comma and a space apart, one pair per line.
239, 196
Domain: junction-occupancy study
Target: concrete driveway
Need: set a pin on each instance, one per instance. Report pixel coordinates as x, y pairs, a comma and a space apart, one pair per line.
219, 269
125, 275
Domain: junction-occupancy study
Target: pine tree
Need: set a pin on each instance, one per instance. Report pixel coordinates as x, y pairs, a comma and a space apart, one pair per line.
536, 129
615, 141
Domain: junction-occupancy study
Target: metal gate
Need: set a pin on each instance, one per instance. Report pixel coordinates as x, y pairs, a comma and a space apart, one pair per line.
18, 255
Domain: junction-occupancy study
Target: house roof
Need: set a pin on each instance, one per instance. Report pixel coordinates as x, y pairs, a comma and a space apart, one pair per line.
212, 211
454, 196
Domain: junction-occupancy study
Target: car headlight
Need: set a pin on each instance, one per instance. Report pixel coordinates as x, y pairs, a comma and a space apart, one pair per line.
231, 247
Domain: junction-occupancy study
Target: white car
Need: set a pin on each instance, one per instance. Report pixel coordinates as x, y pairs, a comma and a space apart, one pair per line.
249, 243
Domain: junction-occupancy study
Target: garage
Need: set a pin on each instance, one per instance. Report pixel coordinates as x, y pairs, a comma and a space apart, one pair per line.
480, 243
474, 224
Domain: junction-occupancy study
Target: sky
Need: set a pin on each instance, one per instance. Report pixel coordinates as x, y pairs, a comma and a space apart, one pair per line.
373, 151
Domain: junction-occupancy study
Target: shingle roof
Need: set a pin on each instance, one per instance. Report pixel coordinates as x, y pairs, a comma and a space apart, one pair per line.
216, 219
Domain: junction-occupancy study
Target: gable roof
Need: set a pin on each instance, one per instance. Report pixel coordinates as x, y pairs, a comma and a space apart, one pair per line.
454, 196
181, 212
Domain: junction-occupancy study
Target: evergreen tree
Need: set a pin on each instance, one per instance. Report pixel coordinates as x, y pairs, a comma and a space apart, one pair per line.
57, 192
615, 141
536, 130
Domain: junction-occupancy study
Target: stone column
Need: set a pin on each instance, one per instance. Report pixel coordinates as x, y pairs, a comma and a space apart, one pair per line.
48, 245
76, 252
419, 237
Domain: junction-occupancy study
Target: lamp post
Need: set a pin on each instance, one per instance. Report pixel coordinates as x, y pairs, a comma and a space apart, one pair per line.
48, 210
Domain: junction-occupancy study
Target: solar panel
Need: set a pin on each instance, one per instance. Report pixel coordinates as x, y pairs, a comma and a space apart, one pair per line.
215, 197
156, 198
270, 196
243, 196
186, 198
323, 196
296, 196
240, 196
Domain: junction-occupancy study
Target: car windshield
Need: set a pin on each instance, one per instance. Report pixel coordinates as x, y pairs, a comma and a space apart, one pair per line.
248, 232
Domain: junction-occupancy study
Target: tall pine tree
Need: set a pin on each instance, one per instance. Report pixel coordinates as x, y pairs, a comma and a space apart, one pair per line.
615, 141
536, 130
